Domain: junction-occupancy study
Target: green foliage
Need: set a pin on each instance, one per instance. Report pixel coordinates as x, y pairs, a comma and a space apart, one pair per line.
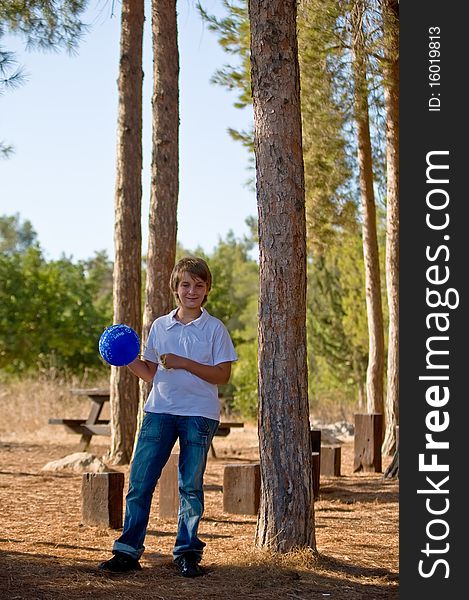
98, 274
16, 236
11, 76
47, 316
235, 284
329, 206
337, 329
44, 23
244, 380
51, 313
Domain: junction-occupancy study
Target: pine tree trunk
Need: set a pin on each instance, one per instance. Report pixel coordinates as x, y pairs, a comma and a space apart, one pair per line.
390, 15
286, 513
375, 371
164, 171
127, 231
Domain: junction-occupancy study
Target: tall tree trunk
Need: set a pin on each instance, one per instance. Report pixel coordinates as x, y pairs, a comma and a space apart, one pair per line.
164, 171
390, 16
375, 371
286, 513
127, 232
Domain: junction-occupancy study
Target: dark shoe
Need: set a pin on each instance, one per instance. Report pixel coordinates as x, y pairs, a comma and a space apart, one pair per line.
120, 563
188, 565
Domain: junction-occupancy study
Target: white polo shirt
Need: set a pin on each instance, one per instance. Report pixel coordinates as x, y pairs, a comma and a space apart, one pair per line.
176, 391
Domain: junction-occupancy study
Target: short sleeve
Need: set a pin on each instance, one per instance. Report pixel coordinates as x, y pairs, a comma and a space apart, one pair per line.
223, 349
150, 350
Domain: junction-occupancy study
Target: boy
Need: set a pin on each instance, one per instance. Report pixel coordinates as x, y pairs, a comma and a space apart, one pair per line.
188, 354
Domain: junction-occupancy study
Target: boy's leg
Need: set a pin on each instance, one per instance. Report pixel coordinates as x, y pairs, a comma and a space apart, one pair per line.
195, 437
156, 440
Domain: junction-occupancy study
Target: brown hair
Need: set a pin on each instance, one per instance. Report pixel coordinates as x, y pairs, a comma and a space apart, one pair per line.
196, 267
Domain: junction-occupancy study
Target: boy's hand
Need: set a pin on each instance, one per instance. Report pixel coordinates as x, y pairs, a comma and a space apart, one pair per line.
172, 361
216, 374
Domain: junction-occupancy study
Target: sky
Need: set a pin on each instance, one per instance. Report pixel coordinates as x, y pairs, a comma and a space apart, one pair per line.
62, 124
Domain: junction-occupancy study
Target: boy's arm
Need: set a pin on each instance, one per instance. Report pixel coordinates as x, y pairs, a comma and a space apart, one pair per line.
217, 374
145, 369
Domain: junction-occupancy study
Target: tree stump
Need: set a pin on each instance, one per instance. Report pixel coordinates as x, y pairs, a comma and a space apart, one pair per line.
315, 440
241, 488
330, 461
169, 489
102, 499
316, 462
367, 442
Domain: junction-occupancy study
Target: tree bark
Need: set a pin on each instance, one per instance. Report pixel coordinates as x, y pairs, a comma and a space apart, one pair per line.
164, 171
390, 16
127, 229
375, 370
392, 471
286, 513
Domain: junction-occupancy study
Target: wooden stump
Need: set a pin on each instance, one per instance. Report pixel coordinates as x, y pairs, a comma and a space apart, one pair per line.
169, 489
316, 456
367, 442
241, 488
102, 499
330, 461
315, 440
316, 460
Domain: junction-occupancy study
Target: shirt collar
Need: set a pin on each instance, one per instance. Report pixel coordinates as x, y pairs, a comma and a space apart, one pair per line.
199, 322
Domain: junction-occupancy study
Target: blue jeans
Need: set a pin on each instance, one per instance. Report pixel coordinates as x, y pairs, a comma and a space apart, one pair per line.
157, 437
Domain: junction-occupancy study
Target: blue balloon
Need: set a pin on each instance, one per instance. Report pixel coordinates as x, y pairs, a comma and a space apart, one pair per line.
119, 345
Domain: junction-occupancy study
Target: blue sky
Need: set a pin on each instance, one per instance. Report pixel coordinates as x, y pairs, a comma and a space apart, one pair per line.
62, 123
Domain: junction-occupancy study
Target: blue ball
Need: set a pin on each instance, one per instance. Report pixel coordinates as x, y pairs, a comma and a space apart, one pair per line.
119, 345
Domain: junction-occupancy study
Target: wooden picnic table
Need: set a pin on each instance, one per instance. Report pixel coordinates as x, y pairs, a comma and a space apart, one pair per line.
93, 425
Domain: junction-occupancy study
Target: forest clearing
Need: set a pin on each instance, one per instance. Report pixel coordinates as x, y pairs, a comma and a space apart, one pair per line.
305, 310
47, 553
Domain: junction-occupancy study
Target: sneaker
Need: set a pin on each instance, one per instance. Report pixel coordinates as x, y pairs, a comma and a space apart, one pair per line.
120, 563
188, 565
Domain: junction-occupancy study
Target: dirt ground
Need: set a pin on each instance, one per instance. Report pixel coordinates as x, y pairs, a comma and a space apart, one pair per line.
46, 552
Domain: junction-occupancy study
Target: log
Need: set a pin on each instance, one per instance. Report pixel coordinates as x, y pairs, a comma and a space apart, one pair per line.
241, 488
316, 462
102, 499
367, 442
330, 461
169, 489
315, 440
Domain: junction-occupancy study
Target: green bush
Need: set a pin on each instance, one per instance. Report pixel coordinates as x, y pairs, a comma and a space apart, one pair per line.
244, 380
47, 315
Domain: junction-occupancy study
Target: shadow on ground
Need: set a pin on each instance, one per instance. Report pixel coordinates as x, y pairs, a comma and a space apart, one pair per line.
45, 577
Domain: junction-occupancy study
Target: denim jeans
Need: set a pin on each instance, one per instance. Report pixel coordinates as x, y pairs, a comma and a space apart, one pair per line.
157, 437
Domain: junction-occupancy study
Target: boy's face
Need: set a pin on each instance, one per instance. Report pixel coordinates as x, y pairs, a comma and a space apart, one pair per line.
191, 291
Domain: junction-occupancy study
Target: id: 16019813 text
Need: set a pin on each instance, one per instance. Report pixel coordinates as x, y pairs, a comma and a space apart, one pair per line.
434, 68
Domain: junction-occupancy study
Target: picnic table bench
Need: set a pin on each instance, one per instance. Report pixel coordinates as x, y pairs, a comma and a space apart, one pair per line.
93, 425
